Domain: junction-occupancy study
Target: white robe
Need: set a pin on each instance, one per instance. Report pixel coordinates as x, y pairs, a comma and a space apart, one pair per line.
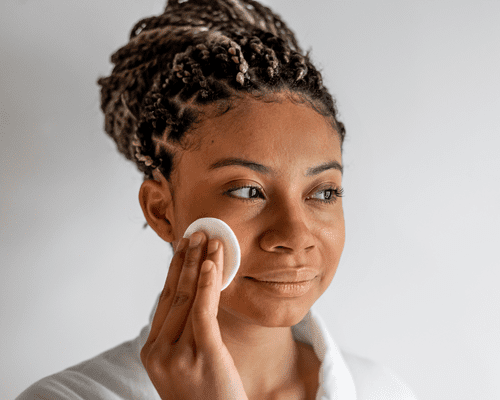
118, 373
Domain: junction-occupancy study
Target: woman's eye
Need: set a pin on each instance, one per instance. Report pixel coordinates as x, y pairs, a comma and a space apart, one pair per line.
331, 194
249, 190
253, 192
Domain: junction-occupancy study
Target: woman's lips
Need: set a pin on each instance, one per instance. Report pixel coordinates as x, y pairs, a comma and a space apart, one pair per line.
287, 275
284, 289
282, 282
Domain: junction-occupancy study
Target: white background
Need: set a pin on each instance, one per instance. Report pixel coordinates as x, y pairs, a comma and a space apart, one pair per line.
418, 87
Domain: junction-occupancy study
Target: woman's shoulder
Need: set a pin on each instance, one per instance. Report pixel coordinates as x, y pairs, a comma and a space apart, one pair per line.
114, 374
374, 381
59, 386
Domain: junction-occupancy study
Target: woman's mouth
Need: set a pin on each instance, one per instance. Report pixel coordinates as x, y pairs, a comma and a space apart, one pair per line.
284, 289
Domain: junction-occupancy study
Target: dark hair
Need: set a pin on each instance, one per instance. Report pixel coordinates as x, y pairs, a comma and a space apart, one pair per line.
200, 52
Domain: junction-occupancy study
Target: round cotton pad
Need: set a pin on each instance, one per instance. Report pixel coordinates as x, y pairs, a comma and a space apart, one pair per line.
215, 228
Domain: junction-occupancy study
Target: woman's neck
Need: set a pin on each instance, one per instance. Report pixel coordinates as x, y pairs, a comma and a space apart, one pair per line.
266, 357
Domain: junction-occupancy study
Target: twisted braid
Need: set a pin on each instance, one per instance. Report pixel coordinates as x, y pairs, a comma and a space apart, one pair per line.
194, 54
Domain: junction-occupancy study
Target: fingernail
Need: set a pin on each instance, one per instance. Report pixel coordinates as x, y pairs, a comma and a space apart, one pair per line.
212, 247
195, 239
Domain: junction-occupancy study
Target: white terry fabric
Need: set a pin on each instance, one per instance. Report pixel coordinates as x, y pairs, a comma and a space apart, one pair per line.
118, 374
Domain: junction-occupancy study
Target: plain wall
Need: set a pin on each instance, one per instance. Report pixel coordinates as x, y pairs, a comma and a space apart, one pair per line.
418, 88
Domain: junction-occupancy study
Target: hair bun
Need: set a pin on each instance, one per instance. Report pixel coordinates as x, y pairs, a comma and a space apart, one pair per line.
220, 15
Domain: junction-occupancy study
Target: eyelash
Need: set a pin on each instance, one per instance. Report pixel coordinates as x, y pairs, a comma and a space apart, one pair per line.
336, 193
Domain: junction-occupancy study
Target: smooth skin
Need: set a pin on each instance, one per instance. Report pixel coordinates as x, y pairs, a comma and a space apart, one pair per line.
242, 335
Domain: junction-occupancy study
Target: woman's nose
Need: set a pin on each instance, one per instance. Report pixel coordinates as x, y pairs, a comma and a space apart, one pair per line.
289, 228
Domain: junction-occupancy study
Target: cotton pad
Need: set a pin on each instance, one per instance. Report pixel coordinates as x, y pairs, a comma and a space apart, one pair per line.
215, 228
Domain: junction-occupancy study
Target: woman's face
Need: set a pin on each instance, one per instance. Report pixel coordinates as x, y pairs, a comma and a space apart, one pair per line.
288, 220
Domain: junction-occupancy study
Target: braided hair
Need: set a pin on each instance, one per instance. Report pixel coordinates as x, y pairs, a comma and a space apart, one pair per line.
199, 53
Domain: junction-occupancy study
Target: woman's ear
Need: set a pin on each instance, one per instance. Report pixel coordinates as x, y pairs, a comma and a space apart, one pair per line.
157, 205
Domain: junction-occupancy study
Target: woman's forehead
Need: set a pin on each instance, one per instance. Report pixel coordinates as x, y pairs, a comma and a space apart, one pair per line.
270, 115
257, 130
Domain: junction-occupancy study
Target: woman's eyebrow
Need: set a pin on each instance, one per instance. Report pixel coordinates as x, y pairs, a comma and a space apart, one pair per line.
224, 162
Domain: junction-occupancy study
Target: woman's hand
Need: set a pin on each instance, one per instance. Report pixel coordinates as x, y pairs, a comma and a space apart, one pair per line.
184, 355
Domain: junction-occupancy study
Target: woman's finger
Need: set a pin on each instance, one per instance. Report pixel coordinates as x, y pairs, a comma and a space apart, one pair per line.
168, 292
184, 294
206, 329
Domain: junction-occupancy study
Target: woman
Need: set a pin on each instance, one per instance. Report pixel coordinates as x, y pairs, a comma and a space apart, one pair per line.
227, 118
